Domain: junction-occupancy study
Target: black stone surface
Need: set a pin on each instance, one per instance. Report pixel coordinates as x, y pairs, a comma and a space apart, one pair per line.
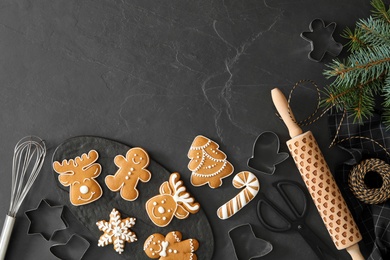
155, 74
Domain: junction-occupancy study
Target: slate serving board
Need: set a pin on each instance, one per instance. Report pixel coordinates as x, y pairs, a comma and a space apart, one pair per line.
195, 226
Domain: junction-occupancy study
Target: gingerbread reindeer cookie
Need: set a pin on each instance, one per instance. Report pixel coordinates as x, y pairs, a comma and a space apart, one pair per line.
208, 164
131, 170
80, 174
173, 200
171, 247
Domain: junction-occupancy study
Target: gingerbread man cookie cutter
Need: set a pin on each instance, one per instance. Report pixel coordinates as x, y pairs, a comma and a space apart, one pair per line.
79, 174
131, 170
321, 40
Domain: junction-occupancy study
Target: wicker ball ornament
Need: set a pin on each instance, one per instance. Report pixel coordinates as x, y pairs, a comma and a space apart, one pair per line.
361, 190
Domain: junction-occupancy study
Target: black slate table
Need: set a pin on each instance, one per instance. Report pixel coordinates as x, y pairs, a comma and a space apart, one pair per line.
155, 74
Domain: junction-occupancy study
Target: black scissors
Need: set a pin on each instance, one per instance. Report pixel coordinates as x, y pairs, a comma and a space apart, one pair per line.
297, 223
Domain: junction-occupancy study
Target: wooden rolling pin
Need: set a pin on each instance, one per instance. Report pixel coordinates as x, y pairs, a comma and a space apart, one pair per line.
320, 182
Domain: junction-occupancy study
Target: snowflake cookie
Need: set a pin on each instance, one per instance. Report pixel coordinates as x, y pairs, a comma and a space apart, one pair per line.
116, 231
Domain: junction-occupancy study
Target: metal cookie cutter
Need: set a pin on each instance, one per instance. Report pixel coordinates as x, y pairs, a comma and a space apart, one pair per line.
321, 40
73, 249
266, 153
246, 245
46, 220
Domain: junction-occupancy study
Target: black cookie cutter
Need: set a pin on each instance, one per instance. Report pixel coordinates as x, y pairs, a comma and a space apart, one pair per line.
254, 247
46, 229
74, 248
321, 40
266, 154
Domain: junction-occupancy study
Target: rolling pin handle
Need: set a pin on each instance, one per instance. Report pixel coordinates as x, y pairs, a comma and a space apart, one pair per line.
282, 106
354, 252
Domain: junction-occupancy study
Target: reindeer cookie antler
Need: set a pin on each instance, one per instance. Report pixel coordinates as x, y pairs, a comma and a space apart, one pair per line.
80, 174
173, 200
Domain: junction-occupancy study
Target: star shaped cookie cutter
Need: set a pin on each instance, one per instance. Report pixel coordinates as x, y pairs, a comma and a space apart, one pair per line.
46, 220
321, 40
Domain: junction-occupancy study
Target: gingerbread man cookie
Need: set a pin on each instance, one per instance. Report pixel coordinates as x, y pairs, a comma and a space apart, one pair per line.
171, 247
80, 174
172, 201
131, 170
208, 164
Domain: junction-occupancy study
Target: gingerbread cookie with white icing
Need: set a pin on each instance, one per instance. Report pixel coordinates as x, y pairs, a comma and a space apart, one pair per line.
132, 169
171, 247
208, 164
173, 200
80, 174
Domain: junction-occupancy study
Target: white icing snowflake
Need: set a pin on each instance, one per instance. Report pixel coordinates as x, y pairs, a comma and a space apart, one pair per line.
116, 231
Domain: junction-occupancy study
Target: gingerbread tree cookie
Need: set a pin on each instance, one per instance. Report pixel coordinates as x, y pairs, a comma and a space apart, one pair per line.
131, 170
116, 231
80, 174
208, 164
173, 200
171, 247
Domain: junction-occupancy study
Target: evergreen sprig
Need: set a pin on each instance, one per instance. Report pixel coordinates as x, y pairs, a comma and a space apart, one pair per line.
365, 72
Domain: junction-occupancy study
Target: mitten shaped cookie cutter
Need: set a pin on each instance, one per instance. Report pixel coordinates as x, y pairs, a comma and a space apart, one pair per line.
321, 40
74, 248
46, 220
254, 246
266, 153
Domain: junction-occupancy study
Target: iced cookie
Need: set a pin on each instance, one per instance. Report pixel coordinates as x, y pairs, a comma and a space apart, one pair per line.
208, 164
116, 231
80, 174
172, 201
251, 185
171, 247
131, 170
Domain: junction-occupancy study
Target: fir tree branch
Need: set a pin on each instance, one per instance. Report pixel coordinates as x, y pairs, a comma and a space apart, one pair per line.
341, 72
380, 10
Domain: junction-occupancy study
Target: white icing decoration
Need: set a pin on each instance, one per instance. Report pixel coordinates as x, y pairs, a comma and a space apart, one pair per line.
84, 189
175, 251
164, 245
161, 210
147, 244
170, 250
127, 177
154, 203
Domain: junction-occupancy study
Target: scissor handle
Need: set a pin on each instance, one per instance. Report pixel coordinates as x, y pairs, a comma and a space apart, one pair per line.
279, 186
264, 200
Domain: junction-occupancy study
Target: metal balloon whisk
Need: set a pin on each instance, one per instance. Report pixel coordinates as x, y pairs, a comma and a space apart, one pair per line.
29, 154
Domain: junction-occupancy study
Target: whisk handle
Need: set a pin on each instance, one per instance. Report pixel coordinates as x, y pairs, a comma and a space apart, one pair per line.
6, 235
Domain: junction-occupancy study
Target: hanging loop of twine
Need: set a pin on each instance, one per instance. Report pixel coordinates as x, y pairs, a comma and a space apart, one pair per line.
311, 118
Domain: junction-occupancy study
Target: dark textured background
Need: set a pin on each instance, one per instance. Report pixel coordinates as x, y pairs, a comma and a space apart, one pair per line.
155, 74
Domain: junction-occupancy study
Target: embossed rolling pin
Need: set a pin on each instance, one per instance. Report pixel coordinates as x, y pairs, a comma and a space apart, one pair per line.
320, 182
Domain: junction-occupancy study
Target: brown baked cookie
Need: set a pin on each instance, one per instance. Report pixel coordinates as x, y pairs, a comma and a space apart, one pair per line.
80, 174
116, 231
131, 170
173, 200
208, 164
171, 247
